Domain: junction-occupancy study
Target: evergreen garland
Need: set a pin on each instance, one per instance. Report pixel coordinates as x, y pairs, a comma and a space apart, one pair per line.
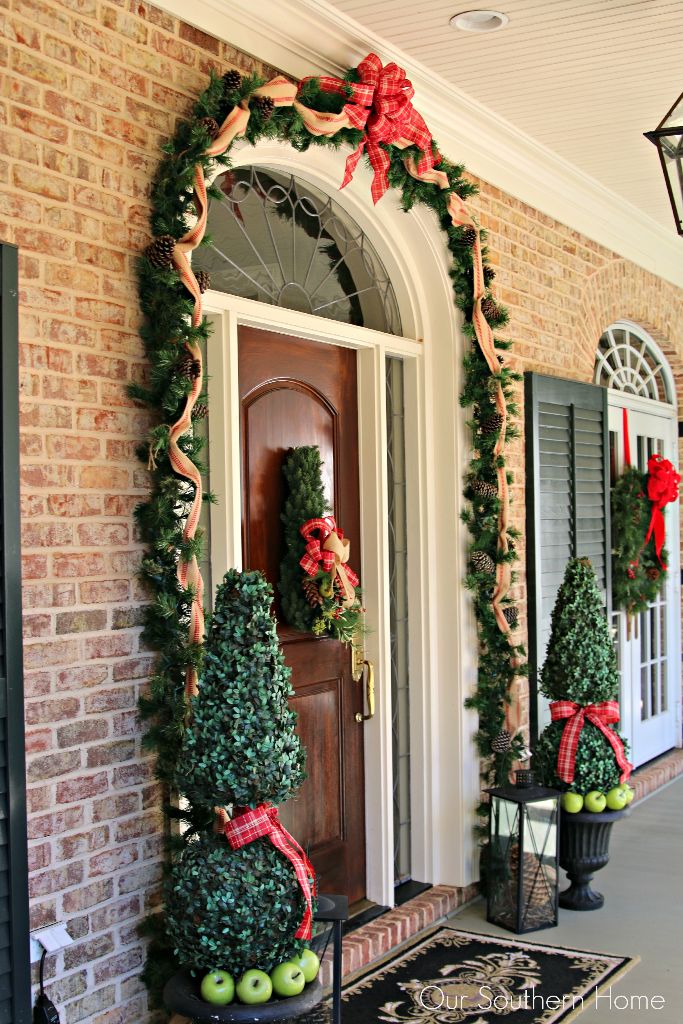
637, 575
167, 329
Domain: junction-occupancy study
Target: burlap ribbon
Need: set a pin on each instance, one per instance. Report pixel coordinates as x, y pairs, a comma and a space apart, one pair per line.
601, 715
261, 823
328, 549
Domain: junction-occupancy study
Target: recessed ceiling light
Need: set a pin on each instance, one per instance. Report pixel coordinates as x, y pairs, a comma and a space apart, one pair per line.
479, 21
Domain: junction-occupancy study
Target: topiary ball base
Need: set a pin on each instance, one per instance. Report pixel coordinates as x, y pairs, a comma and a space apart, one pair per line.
233, 909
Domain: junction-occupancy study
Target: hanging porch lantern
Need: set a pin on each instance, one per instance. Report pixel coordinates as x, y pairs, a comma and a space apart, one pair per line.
523, 874
668, 138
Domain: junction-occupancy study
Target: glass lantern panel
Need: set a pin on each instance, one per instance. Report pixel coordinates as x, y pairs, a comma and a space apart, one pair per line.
539, 864
672, 153
503, 856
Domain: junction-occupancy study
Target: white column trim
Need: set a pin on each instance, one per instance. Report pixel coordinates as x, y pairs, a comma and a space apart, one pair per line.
306, 37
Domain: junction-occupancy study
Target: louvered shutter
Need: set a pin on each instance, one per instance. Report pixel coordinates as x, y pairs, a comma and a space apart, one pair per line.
567, 502
15, 993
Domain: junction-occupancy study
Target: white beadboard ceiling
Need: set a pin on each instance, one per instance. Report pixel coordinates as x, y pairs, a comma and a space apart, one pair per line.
585, 79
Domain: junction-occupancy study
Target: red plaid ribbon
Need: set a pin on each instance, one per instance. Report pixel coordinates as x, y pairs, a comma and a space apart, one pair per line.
662, 487
380, 104
316, 532
263, 822
601, 715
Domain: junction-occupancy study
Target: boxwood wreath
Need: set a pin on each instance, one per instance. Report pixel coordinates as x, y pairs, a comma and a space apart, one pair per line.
637, 574
369, 110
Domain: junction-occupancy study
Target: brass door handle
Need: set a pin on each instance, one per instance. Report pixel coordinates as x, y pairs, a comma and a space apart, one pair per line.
370, 692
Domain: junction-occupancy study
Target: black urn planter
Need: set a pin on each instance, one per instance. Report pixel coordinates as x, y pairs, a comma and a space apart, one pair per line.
584, 849
181, 995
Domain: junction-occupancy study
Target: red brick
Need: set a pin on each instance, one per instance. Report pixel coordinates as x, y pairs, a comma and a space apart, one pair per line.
88, 896
84, 731
83, 842
82, 788
54, 652
55, 823
110, 753
84, 952
82, 676
55, 880
48, 186
123, 963
112, 860
114, 913
113, 807
74, 505
51, 766
81, 622
102, 535
39, 856
46, 535
105, 591
112, 646
38, 712
35, 124
38, 741
80, 565
36, 625
110, 700
36, 684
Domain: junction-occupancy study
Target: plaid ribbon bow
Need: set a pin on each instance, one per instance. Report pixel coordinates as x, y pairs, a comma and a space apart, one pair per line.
263, 822
380, 105
601, 715
328, 549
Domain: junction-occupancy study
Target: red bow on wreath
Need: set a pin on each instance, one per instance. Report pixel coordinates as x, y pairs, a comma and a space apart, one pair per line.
263, 822
328, 549
380, 104
601, 715
662, 487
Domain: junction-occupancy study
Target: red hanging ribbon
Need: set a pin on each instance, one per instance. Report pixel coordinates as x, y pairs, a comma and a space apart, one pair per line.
380, 104
627, 437
662, 487
263, 822
317, 556
601, 715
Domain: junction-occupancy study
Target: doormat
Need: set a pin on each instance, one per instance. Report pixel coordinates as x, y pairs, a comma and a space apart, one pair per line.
448, 976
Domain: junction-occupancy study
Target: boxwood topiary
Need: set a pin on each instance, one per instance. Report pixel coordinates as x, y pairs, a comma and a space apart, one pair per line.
233, 909
580, 666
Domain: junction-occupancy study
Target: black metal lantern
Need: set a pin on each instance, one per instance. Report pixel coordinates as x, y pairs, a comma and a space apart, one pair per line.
523, 873
668, 138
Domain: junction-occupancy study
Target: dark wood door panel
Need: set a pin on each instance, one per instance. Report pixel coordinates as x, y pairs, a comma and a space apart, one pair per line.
295, 392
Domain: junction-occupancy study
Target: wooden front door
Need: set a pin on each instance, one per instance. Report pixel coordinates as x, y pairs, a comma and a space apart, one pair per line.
292, 393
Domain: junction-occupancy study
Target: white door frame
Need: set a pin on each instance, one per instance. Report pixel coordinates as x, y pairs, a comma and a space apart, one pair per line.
444, 763
630, 649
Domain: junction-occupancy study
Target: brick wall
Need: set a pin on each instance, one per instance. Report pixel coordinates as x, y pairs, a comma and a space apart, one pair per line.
93, 88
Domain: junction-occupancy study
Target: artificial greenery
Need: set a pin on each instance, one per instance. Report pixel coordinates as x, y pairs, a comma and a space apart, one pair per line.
240, 747
166, 331
224, 907
580, 666
637, 575
311, 603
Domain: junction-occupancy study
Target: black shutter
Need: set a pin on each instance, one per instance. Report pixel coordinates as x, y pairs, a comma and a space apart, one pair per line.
567, 499
15, 991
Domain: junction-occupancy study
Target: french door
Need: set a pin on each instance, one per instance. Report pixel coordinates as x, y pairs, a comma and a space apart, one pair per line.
649, 651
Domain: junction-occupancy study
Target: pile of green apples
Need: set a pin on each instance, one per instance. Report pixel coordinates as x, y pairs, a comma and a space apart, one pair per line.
595, 801
286, 980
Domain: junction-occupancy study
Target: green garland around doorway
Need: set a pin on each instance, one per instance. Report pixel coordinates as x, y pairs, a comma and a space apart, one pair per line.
369, 110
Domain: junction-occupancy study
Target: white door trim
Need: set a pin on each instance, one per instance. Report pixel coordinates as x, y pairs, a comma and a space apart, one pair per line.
445, 770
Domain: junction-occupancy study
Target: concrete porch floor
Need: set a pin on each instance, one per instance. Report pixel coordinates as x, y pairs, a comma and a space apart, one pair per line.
642, 916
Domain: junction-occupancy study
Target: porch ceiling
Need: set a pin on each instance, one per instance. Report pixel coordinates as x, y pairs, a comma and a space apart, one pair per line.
583, 77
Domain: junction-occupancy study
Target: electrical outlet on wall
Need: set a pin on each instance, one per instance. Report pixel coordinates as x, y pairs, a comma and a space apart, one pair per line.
50, 939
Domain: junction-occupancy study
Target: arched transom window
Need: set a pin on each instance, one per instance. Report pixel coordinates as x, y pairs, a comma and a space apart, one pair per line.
628, 360
280, 240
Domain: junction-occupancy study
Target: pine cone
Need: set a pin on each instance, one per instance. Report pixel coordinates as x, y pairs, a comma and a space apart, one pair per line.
490, 309
501, 743
653, 572
232, 80
511, 615
188, 367
211, 126
469, 236
311, 593
203, 280
482, 562
492, 425
266, 107
200, 411
483, 489
159, 252
489, 274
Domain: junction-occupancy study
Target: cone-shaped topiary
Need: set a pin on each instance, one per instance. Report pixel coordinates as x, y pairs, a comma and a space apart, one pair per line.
238, 908
581, 666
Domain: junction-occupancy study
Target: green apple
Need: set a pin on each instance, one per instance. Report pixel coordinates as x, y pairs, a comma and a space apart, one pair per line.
617, 799
254, 987
218, 987
309, 964
595, 801
288, 979
630, 793
572, 802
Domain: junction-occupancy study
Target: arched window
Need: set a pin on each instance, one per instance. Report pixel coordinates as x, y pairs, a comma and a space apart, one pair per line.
280, 240
628, 360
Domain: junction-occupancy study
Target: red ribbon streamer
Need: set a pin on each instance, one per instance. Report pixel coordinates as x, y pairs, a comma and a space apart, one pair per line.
380, 104
263, 822
601, 715
627, 437
662, 487
316, 532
